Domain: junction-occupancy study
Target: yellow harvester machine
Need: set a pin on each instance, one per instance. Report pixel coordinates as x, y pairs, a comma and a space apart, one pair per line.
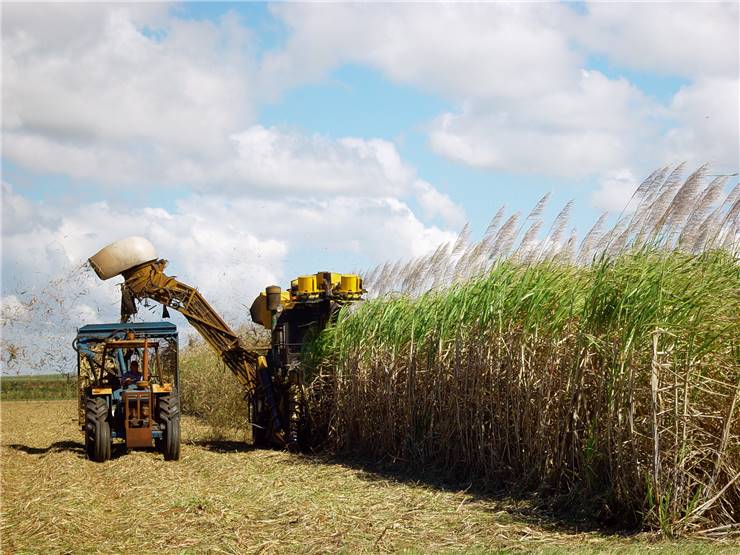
272, 380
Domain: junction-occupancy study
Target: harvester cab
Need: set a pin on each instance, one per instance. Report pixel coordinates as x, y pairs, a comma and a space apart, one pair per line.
128, 378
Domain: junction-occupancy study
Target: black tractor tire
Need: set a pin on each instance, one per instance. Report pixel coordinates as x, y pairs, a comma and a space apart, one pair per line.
98, 441
168, 414
171, 440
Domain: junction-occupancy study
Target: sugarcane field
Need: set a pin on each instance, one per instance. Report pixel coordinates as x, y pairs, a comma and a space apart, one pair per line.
359, 278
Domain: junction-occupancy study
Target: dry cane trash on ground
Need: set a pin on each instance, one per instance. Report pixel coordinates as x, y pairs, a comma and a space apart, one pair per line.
225, 497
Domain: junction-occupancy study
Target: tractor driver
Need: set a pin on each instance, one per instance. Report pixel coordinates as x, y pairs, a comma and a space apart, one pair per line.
133, 375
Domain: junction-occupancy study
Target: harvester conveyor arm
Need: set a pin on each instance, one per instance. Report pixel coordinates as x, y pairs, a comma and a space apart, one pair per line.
149, 281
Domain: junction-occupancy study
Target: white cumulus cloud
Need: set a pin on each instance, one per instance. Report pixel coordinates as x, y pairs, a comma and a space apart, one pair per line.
688, 38
120, 93
615, 191
707, 129
593, 126
290, 161
478, 50
515, 76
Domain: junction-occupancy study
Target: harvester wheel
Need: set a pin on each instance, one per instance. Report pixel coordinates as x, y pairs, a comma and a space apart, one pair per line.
168, 409
260, 433
97, 429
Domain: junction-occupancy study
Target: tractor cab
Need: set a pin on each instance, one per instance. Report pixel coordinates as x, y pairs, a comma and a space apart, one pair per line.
127, 379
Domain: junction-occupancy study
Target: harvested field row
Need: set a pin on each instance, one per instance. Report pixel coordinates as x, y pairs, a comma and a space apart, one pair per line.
224, 497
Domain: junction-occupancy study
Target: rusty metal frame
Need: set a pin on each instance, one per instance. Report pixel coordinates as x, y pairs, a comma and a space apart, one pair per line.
139, 435
144, 344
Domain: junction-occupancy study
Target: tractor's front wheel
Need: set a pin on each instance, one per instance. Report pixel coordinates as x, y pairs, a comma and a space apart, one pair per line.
98, 440
168, 408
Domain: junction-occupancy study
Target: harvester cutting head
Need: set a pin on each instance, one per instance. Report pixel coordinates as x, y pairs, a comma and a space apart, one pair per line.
328, 289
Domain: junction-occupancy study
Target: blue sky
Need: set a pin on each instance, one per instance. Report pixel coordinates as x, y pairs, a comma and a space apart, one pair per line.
271, 140
356, 100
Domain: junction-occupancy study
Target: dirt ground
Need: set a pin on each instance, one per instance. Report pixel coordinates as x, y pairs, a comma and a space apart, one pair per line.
224, 497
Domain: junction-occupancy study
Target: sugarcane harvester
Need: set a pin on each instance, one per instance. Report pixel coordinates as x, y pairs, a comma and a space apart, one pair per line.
272, 381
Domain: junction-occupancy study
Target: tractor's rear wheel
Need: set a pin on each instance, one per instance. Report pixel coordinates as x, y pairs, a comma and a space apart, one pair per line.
98, 440
168, 409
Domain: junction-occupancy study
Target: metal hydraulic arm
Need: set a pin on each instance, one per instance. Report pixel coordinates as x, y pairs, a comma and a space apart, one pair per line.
149, 281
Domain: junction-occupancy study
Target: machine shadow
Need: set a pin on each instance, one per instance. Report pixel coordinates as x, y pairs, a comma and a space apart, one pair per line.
222, 445
57, 446
76, 447
551, 513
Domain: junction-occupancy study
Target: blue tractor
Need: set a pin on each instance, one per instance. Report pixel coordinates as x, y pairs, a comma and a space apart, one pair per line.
127, 383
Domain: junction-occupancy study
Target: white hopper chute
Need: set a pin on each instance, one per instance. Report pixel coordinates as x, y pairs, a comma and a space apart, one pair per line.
121, 256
